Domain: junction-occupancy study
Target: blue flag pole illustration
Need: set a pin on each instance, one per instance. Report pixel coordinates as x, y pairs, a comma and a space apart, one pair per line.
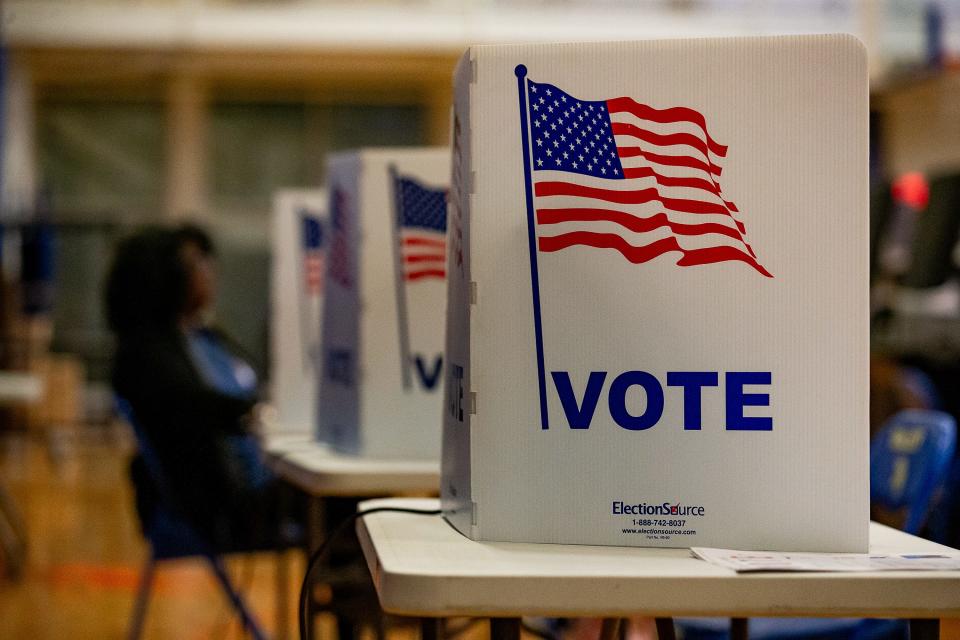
402, 317
521, 72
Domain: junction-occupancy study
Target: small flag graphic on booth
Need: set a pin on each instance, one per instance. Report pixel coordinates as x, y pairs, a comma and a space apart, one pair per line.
312, 232
312, 254
420, 224
340, 261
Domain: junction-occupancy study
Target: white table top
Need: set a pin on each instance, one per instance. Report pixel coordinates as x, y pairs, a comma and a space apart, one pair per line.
20, 387
321, 472
282, 443
423, 567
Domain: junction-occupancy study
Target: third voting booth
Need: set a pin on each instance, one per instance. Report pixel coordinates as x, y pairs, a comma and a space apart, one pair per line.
658, 320
380, 392
298, 238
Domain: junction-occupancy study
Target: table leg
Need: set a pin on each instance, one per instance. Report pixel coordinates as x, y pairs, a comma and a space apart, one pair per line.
314, 538
316, 523
924, 629
13, 537
346, 629
665, 630
739, 628
311, 613
610, 629
282, 595
431, 628
504, 628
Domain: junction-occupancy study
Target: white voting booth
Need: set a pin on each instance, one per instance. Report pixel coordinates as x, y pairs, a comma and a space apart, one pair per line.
657, 329
383, 328
299, 234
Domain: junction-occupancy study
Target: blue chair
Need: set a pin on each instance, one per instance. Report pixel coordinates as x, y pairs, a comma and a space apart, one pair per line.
172, 536
909, 461
943, 525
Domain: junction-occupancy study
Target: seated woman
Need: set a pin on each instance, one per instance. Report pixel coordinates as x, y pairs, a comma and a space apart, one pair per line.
191, 390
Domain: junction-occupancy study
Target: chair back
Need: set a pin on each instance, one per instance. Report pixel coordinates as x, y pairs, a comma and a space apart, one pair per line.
909, 461
151, 458
169, 531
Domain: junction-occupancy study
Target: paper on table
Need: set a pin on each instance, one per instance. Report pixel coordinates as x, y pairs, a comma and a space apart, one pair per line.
747, 561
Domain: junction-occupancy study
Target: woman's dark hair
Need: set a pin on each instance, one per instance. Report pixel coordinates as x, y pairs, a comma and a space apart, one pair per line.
192, 234
148, 282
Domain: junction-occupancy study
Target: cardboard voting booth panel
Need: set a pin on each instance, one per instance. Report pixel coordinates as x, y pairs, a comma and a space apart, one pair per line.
299, 233
380, 393
657, 325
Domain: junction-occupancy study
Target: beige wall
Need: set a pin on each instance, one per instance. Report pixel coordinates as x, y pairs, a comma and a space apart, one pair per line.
921, 125
187, 81
19, 148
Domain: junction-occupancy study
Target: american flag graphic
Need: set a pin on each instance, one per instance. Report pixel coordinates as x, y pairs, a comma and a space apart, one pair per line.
422, 224
621, 175
341, 270
312, 254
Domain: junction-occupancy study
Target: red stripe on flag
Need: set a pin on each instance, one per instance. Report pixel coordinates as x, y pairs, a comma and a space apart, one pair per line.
632, 253
432, 257
426, 273
659, 139
669, 161
648, 252
670, 181
709, 255
630, 196
666, 116
634, 223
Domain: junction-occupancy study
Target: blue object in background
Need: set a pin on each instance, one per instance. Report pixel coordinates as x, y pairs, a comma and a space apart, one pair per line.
37, 258
909, 461
933, 30
218, 367
230, 375
37, 266
944, 523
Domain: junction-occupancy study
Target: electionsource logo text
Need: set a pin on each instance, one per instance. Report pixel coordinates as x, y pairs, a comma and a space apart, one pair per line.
621, 508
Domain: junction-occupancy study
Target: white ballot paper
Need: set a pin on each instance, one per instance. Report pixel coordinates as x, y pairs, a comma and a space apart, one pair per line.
752, 561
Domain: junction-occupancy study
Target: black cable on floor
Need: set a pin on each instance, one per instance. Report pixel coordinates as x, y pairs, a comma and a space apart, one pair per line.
316, 556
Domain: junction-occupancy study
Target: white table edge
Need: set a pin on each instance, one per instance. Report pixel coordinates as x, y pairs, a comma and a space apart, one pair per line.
332, 475
412, 593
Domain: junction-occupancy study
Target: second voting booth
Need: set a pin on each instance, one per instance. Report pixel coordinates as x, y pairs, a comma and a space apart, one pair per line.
381, 378
658, 319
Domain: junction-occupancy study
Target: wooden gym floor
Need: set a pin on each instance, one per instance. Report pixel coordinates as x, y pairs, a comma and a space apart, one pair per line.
86, 553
